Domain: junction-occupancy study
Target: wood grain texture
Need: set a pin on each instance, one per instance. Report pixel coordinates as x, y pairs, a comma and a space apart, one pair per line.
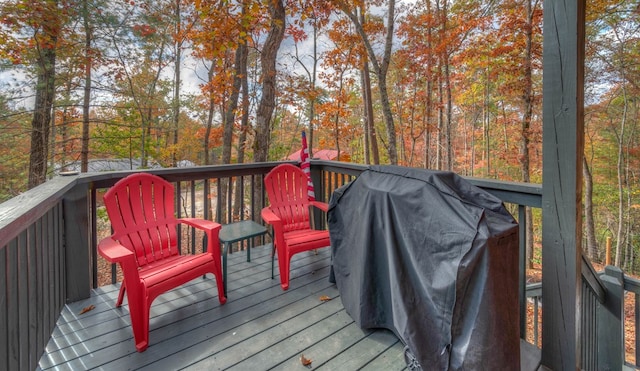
563, 141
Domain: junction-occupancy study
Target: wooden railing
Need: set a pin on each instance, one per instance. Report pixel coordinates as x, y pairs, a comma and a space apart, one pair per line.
48, 239
37, 278
593, 293
618, 330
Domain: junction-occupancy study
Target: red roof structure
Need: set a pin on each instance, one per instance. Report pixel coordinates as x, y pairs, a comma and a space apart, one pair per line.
323, 154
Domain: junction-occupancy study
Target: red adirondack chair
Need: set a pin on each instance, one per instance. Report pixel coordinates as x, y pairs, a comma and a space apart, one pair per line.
144, 244
288, 214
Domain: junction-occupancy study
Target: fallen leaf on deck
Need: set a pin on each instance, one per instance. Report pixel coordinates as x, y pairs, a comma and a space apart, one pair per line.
325, 298
86, 309
305, 361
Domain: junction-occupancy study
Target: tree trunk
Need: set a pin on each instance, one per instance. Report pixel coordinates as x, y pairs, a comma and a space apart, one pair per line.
449, 116
88, 66
62, 129
232, 106
486, 134
382, 85
371, 128
621, 181
241, 69
380, 70
365, 123
312, 101
45, 94
229, 120
268, 64
589, 222
177, 83
440, 130
429, 109
447, 90
268, 98
526, 125
212, 106
337, 116
629, 175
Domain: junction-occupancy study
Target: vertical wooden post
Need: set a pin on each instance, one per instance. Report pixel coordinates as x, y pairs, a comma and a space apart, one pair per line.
610, 321
563, 142
77, 251
318, 220
607, 260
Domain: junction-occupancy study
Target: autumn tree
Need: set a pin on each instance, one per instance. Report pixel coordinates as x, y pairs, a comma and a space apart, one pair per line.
380, 64
615, 59
268, 72
309, 18
417, 58
343, 60
88, 68
138, 54
14, 134
520, 30
32, 31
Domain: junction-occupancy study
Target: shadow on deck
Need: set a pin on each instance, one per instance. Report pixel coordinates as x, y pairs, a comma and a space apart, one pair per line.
261, 327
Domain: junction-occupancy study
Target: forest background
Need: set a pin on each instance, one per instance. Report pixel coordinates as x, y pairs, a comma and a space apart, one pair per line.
440, 84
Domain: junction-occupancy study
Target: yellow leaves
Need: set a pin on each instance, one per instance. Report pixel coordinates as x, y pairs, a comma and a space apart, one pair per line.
325, 298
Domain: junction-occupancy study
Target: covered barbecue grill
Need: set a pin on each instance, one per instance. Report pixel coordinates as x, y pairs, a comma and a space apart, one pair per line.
432, 258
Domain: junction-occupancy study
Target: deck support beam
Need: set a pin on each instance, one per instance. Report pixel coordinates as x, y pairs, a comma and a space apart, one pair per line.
563, 144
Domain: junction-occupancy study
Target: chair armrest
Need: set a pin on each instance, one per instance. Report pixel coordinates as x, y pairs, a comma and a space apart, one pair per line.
270, 217
203, 224
113, 251
320, 205
211, 229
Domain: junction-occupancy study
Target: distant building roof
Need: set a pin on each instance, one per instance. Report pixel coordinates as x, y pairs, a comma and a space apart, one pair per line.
97, 165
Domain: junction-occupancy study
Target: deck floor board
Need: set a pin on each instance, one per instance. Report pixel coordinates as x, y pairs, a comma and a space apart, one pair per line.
260, 327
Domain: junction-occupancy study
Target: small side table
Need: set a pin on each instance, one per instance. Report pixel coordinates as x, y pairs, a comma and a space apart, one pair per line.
235, 232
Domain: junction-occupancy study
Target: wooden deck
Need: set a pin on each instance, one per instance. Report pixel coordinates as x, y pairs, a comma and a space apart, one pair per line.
260, 327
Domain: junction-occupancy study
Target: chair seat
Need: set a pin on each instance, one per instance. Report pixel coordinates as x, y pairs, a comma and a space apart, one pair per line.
171, 270
307, 239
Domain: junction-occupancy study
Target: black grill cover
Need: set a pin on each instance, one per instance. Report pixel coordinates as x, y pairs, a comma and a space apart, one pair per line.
432, 258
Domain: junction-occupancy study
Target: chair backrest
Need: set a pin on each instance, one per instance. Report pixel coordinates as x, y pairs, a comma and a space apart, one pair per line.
141, 211
286, 187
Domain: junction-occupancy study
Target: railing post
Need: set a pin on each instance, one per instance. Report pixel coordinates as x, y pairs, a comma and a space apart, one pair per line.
522, 274
610, 321
319, 191
76, 230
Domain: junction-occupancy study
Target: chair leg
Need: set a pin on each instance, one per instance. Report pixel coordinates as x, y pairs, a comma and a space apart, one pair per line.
273, 259
283, 265
123, 288
225, 249
221, 284
222, 296
139, 313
